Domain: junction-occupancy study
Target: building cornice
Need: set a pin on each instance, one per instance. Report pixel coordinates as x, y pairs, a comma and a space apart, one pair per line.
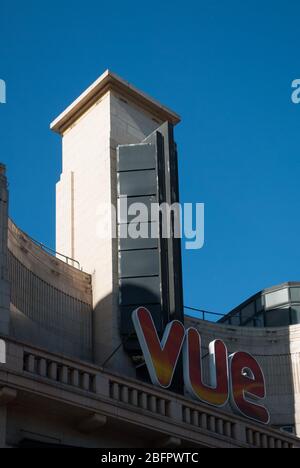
111, 82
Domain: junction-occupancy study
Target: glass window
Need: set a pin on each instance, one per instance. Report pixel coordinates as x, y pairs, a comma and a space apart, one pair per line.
295, 315
277, 298
278, 317
248, 312
295, 294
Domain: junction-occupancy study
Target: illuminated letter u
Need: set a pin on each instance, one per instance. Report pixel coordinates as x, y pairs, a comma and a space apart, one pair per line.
217, 393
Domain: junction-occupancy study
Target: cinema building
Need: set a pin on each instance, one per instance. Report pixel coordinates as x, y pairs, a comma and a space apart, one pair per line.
76, 369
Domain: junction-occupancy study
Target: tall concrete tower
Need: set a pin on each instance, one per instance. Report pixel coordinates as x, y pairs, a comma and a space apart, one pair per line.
108, 114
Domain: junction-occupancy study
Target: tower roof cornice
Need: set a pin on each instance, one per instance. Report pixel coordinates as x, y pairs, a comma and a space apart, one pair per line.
109, 81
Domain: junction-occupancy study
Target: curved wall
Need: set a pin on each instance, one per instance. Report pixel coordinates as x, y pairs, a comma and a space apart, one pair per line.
51, 302
278, 352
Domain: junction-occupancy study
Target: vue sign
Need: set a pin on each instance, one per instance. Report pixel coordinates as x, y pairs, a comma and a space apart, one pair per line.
238, 377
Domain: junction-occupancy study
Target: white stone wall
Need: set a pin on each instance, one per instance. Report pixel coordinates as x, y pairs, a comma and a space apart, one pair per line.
86, 155
89, 153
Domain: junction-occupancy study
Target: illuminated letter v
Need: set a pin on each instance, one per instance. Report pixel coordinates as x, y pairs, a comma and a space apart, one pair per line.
161, 357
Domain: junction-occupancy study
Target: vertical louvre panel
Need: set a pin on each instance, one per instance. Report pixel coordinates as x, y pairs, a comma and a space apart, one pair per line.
139, 259
150, 273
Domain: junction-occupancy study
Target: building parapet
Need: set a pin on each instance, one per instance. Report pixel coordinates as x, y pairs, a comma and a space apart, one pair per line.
111, 397
51, 269
50, 301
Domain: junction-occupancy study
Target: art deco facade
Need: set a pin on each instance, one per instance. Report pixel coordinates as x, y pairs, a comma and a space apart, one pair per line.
67, 380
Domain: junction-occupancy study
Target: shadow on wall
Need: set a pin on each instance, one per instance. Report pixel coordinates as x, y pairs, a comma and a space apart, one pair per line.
126, 350
54, 338
50, 302
271, 348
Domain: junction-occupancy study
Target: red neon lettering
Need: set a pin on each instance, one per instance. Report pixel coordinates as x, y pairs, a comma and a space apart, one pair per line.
247, 384
248, 387
161, 357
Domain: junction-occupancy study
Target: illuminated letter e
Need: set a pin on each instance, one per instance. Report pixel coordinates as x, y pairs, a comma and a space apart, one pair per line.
248, 387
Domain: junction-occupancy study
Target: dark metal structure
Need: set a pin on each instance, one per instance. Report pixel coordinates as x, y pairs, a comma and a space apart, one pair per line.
150, 269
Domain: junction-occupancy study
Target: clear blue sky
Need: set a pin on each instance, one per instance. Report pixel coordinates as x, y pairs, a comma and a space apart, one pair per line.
226, 67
